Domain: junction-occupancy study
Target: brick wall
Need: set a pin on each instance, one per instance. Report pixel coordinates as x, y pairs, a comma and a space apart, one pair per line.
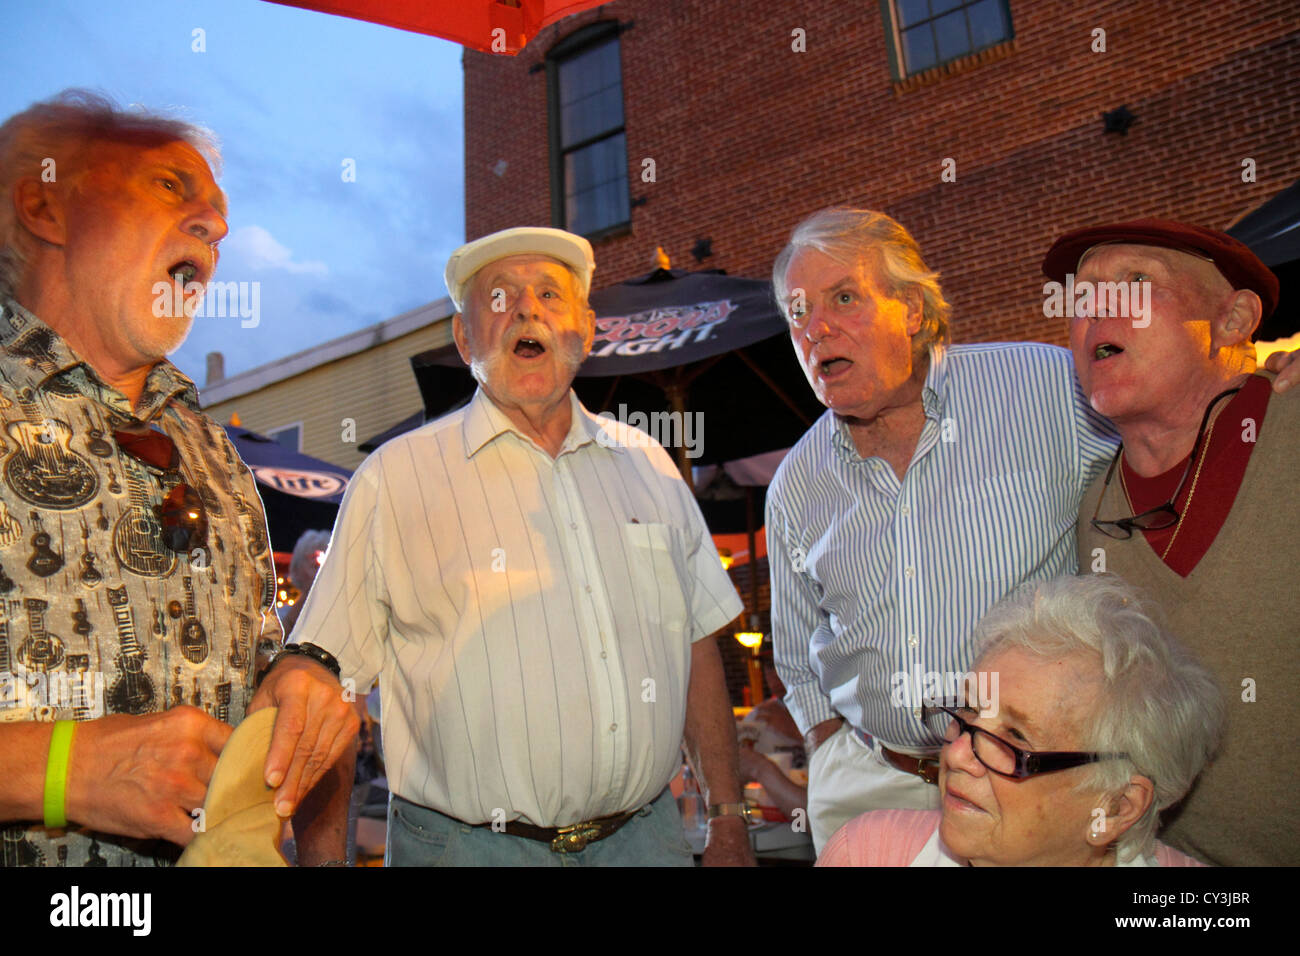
748, 137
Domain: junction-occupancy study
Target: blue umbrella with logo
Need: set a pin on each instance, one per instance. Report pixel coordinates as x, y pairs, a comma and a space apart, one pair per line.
300, 493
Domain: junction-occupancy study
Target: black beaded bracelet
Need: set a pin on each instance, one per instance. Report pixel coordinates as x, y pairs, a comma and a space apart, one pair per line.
318, 654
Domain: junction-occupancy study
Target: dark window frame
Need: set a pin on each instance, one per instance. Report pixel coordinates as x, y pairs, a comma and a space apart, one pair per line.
580, 41
894, 36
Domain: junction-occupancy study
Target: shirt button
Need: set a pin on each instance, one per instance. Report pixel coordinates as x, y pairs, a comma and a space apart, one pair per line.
587, 588
613, 727
603, 655
875, 466
913, 640
916, 712
910, 572
905, 510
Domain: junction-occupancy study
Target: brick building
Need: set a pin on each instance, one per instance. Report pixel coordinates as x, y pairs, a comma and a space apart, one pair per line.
754, 118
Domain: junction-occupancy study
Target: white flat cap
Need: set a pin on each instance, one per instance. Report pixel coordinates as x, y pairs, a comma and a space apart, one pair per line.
573, 251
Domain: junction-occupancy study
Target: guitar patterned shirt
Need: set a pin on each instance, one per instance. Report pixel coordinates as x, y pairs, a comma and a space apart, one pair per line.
97, 615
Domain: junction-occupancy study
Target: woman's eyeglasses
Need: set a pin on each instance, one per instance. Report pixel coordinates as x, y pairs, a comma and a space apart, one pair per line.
998, 755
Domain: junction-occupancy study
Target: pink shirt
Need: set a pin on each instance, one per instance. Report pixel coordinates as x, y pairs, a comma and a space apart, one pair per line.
911, 838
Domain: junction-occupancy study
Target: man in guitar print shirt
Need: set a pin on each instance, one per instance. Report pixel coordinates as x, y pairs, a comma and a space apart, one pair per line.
135, 573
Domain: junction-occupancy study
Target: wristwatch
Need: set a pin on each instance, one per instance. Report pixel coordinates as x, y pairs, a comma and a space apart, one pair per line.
731, 810
318, 654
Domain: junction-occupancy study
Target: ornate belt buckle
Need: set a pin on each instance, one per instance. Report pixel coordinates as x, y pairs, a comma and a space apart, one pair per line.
574, 839
927, 768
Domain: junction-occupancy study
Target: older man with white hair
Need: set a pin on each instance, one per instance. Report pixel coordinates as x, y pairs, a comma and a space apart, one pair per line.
1198, 505
121, 501
535, 590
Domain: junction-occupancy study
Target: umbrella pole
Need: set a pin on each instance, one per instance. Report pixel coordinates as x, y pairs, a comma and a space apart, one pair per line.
677, 400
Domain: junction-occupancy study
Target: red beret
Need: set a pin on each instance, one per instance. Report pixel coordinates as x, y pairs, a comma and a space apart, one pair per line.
1239, 265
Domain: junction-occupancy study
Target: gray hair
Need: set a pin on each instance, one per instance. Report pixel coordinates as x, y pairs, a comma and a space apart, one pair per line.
1156, 703
849, 235
302, 566
60, 129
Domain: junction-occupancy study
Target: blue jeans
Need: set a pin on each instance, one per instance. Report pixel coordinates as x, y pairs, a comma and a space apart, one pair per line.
418, 836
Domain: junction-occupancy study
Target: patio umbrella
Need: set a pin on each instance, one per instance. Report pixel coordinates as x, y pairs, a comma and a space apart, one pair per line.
300, 493
492, 26
1273, 233
710, 348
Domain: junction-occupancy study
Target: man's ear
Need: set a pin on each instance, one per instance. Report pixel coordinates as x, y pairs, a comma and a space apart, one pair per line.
1125, 810
589, 336
1237, 321
915, 301
37, 207
462, 340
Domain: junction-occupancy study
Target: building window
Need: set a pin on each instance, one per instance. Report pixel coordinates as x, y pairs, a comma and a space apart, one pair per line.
290, 436
928, 33
589, 191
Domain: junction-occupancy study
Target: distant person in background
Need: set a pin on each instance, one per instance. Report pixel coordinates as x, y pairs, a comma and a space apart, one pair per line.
771, 749
308, 554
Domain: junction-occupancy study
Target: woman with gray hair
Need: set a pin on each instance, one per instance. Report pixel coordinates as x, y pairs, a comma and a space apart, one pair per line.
1090, 721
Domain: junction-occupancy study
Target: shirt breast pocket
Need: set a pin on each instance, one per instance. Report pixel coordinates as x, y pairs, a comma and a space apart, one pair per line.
657, 563
1010, 523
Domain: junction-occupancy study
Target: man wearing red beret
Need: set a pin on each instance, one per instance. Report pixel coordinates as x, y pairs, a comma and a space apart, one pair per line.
1198, 506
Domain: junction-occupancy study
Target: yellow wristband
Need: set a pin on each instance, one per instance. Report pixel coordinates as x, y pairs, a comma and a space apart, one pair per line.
56, 774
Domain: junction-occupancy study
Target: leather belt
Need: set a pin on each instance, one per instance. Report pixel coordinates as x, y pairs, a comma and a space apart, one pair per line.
927, 768
573, 838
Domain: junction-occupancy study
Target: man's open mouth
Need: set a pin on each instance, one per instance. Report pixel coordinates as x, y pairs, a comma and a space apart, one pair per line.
1105, 351
529, 348
184, 271
833, 366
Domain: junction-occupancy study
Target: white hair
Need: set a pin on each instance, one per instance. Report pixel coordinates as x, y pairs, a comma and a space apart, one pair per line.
60, 129
1156, 703
851, 235
303, 565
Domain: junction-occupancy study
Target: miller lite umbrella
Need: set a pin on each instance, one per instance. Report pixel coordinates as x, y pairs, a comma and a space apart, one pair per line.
700, 360
300, 493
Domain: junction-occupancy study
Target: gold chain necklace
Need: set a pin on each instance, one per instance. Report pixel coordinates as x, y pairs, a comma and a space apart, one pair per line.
1187, 506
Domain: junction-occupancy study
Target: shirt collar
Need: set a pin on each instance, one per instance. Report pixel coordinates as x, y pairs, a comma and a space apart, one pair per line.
484, 421
933, 398
39, 355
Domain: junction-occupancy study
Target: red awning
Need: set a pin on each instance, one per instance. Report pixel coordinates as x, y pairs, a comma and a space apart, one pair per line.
493, 26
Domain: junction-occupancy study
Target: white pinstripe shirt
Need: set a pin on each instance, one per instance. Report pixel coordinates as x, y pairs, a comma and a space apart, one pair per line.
877, 584
529, 619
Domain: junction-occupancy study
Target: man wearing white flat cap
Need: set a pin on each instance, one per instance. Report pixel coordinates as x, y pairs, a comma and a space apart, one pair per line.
534, 587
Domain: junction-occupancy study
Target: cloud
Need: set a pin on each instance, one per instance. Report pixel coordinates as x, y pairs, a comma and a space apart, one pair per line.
263, 251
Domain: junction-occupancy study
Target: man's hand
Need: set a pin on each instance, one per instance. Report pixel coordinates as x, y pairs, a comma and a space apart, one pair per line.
728, 843
1286, 367
819, 734
314, 728
143, 776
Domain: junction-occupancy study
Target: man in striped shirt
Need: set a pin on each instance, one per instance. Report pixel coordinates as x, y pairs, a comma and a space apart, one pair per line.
938, 480
534, 588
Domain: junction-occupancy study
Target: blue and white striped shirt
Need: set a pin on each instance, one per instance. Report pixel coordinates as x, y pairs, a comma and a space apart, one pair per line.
877, 584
